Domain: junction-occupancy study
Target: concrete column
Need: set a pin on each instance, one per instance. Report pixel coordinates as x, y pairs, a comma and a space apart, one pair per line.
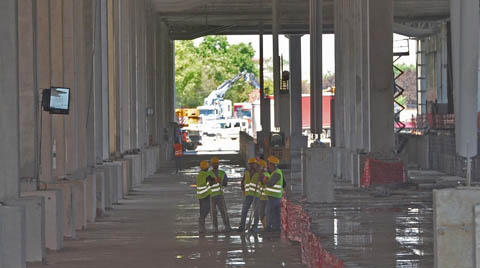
150, 63
70, 69
264, 104
56, 67
339, 74
339, 115
465, 44
124, 65
132, 22
276, 59
316, 75
160, 101
28, 94
141, 72
295, 84
297, 140
380, 23
92, 81
81, 82
9, 112
12, 219
43, 81
114, 76
105, 80
98, 27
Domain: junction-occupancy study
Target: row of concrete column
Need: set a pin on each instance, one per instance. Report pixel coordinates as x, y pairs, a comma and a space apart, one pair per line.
363, 116
118, 61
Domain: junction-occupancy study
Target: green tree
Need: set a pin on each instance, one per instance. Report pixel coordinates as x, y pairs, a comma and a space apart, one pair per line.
201, 69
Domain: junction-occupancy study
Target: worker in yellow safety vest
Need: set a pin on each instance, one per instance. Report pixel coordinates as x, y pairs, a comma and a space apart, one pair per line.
249, 188
262, 196
203, 194
217, 199
274, 190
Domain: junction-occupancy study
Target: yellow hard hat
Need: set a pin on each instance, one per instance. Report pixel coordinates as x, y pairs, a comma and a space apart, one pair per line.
214, 160
204, 164
272, 159
262, 163
252, 160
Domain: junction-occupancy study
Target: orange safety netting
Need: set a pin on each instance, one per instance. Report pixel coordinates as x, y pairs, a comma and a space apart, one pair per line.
296, 223
380, 172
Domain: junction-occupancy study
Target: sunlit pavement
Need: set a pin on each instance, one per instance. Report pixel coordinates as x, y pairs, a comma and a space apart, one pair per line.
156, 226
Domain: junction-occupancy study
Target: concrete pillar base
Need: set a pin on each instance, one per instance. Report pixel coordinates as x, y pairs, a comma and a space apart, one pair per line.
91, 195
115, 177
100, 190
127, 175
80, 192
108, 186
297, 142
53, 217
119, 166
12, 237
34, 207
69, 200
453, 226
136, 169
318, 178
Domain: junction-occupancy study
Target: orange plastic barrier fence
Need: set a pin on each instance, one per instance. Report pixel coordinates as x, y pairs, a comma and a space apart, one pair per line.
296, 223
380, 172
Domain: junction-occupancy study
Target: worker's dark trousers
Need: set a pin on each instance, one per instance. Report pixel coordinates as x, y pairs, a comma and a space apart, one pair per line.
260, 212
219, 201
204, 210
247, 202
273, 214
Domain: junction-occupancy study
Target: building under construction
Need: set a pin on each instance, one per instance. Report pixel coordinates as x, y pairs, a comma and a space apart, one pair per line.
87, 170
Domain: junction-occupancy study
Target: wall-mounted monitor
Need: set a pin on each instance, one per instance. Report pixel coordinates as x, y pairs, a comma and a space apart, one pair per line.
56, 100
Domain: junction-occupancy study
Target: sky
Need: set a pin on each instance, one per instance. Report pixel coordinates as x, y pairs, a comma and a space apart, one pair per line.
328, 50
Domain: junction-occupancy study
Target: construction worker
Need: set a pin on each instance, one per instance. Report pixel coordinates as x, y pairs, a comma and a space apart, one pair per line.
274, 191
249, 188
262, 197
216, 199
203, 194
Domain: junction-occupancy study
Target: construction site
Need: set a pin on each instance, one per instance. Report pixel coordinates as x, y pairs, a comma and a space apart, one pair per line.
102, 167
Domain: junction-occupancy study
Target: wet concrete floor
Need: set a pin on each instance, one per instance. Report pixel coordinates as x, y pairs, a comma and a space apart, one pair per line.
366, 228
156, 226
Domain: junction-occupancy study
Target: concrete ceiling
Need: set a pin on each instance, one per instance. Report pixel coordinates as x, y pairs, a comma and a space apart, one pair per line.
189, 19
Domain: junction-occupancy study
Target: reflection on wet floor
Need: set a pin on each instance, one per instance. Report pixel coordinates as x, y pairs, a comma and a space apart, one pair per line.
367, 231
228, 249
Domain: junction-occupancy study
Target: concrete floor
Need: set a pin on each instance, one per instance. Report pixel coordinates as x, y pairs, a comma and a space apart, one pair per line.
156, 226
390, 226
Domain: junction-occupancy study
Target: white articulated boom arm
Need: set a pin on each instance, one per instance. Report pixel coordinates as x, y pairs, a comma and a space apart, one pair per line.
219, 93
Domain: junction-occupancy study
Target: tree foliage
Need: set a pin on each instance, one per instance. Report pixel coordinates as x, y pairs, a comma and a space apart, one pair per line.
201, 68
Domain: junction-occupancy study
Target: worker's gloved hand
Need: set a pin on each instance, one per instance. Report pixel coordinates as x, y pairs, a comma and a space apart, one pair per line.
265, 180
218, 180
